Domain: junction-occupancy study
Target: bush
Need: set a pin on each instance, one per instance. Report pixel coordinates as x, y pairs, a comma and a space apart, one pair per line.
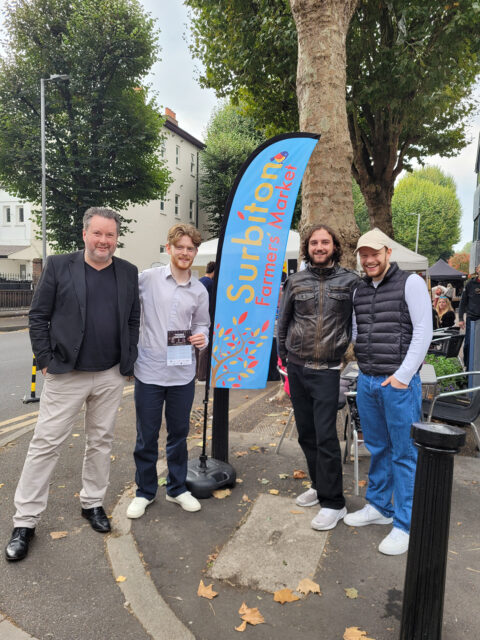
444, 367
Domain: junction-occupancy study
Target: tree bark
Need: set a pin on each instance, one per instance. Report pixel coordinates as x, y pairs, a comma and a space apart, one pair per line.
322, 27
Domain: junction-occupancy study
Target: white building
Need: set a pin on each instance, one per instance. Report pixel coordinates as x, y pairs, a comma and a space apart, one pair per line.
148, 233
148, 230
18, 245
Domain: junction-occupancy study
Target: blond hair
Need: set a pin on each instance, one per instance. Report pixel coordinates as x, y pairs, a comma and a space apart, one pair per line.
179, 230
447, 308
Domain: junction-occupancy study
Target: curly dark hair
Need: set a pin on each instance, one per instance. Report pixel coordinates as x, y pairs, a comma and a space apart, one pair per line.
309, 231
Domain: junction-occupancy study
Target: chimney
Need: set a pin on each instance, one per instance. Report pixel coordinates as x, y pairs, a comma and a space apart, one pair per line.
171, 115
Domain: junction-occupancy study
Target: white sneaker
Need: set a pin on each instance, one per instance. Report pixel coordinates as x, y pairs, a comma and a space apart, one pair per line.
137, 507
327, 518
395, 543
186, 501
367, 515
307, 499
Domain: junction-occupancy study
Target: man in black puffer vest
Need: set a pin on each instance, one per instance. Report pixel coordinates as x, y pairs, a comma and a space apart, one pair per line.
393, 327
314, 330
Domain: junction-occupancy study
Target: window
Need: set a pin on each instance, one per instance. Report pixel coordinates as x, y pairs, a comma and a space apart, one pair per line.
23, 272
191, 210
162, 206
163, 150
8, 215
20, 215
192, 164
162, 248
177, 155
177, 203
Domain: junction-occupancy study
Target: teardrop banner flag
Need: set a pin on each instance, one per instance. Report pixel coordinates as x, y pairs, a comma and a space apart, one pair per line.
250, 256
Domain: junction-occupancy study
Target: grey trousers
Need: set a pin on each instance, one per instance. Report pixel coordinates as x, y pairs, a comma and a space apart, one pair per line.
62, 398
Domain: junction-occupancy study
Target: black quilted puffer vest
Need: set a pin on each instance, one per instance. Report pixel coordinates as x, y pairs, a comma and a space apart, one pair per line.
384, 327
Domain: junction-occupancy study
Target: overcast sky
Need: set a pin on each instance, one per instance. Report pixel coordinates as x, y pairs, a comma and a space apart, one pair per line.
174, 79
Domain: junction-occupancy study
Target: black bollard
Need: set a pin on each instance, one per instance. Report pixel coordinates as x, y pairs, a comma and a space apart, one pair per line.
424, 588
220, 424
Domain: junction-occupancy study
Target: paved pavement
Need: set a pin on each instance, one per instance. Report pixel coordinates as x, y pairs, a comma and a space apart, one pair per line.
141, 581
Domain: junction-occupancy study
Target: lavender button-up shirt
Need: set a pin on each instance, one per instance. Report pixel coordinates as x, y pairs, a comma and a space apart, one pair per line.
165, 306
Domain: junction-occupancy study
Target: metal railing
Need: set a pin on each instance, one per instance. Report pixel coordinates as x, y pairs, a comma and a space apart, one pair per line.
15, 299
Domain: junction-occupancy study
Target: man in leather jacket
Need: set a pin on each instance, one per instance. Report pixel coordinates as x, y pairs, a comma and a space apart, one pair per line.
314, 331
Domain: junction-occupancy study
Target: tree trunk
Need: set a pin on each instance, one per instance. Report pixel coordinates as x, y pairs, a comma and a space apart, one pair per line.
378, 198
322, 27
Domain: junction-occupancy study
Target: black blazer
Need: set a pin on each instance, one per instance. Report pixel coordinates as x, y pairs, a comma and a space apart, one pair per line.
57, 313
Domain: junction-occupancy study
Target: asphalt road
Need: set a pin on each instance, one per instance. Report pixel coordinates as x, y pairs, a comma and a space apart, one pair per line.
15, 374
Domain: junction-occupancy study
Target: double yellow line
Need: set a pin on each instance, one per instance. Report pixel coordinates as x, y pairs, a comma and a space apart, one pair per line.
28, 419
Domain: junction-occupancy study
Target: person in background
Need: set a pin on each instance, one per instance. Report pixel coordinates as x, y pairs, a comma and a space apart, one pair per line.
207, 281
445, 312
450, 291
469, 306
436, 293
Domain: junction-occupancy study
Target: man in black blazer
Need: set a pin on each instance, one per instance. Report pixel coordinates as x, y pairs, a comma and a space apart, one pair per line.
84, 322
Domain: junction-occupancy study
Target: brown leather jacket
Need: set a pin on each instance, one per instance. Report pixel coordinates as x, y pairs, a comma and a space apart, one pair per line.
315, 319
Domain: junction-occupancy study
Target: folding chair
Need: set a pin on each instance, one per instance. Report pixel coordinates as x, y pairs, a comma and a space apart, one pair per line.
460, 407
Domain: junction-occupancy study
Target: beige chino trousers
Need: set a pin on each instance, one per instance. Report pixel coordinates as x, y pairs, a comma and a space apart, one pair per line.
62, 398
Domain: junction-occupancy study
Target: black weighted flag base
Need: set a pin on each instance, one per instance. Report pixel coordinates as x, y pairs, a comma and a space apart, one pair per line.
206, 476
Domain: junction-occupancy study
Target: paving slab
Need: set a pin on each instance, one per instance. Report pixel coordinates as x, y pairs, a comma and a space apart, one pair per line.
274, 548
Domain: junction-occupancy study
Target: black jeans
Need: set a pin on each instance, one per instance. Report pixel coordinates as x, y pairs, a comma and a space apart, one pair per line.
314, 395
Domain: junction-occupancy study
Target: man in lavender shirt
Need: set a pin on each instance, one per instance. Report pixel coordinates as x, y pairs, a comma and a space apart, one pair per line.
174, 320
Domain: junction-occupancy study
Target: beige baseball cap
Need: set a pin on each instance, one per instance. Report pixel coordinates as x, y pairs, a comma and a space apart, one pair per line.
375, 239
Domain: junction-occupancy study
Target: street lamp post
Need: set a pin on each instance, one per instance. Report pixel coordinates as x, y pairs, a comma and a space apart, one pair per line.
55, 77
418, 228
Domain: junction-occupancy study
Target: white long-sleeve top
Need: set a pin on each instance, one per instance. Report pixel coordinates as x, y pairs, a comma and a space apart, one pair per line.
167, 305
420, 310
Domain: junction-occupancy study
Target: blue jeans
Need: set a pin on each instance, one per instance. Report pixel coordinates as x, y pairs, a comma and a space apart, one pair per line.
386, 416
149, 399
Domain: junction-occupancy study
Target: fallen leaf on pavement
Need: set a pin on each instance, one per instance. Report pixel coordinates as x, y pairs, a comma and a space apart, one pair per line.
274, 492
265, 481
272, 444
296, 512
2, 484
362, 483
239, 454
242, 627
251, 615
213, 556
75, 435
254, 447
298, 474
308, 586
56, 535
221, 493
306, 483
162, 481
206, 592
351, 592
121, 579
354, 633
239, 480
245, 498
283, 475
285, 595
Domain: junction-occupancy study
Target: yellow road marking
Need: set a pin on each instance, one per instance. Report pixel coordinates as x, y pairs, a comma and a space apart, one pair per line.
25, 415
17, 426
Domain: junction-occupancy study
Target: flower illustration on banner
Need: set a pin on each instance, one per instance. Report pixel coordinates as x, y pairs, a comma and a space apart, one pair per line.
235, 352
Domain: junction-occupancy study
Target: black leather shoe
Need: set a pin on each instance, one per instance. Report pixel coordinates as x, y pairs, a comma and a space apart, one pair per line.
97, 518
17, 548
